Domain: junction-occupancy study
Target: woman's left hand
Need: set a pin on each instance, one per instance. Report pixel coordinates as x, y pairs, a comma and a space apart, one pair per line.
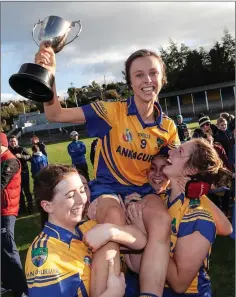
115, 283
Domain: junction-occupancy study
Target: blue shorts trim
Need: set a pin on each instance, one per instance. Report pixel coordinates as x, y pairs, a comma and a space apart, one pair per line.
97, 189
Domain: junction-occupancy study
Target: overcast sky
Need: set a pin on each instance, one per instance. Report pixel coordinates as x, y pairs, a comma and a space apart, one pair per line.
111, 32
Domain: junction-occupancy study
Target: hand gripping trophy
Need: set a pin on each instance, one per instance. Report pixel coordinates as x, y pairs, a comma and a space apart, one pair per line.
33, 81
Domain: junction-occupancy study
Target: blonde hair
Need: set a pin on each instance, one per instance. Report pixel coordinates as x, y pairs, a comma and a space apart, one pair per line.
221, 120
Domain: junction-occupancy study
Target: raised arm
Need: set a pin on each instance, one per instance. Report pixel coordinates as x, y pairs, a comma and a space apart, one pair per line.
53, 110
223, 225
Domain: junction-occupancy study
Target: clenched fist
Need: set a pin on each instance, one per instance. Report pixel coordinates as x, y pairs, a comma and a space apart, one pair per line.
46, 58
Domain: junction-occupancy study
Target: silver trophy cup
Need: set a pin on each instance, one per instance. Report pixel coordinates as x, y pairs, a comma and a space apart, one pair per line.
33, 81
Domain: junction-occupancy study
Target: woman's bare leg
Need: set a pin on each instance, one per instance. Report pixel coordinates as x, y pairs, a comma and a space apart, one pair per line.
108, 211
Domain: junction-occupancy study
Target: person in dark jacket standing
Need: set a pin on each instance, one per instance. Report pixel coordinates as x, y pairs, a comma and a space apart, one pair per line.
93, 150
23, 155
220, 151
181, 126
224, 136
77, 151
41, 145
12, 275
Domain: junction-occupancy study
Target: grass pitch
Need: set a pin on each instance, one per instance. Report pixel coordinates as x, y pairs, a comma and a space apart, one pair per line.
222, 265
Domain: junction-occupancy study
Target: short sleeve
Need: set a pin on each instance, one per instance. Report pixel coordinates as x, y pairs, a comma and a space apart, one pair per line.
198, 220
85, 226
172, 140
100, 117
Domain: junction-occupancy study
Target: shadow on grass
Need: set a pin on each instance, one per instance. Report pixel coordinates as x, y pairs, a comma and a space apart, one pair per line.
222, 261
26, 229
222, 267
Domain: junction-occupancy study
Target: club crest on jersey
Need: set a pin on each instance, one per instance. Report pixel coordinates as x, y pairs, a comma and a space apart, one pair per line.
87, 261
173, 226
160, 142
127, 136
193, 203
39, 256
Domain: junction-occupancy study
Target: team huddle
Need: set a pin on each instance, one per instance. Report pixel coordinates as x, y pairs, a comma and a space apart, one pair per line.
144, 225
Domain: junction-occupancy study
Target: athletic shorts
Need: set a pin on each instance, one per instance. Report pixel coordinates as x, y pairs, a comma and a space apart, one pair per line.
97, 189
116, 191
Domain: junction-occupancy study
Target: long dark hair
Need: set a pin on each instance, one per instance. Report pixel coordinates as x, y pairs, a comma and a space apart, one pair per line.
45, 183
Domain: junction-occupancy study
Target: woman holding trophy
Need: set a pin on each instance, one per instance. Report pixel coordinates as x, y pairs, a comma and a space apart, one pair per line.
130, 132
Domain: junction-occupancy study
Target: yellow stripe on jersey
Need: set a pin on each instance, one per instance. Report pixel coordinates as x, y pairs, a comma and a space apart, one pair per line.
101, 114
58, 235
110, 168
108, 161
58, 262
127, 144
184, 221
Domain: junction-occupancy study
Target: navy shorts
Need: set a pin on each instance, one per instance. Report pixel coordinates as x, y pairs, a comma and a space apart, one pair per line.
97, 189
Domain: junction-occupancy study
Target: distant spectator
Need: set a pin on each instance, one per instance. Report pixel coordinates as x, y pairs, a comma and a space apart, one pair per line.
12, 275
41, 145
206, 125
224, 136
77, 152
230, 118
38, 160
221, 201
187, 134
23, 155
93, 150
220, 151
232, 162
198, 133
224, 115
231, 123
181, 126
232, 150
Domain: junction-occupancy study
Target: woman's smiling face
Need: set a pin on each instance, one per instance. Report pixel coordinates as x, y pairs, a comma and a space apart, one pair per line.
176, 162
146, 78
156, 177
67, 206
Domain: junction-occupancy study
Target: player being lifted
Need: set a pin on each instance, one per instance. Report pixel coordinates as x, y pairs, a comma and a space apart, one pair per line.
130, 133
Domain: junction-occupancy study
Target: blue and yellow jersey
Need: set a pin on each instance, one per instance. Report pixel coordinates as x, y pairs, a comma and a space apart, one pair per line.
127, 145
58, 263
188, 216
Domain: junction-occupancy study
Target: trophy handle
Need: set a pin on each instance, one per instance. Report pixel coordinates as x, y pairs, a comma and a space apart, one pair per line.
35, 25
80, 28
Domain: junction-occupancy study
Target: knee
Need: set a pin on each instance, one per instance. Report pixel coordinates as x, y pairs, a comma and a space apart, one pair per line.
115, 215
157, 221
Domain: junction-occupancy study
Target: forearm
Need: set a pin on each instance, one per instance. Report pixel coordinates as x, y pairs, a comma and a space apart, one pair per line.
52, 108
25, 157
55, 113
174, 278
223, 226
129, 236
